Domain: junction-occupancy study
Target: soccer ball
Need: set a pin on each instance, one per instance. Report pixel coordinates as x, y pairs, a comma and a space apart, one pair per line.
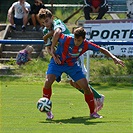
44, 105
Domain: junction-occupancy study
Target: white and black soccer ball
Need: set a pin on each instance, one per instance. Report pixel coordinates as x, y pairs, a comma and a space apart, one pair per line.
44, 104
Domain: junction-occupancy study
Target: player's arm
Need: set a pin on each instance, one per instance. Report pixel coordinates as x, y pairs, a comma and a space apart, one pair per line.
54, 43
48, 35
47, 40
10, 11
56, 36
107, 53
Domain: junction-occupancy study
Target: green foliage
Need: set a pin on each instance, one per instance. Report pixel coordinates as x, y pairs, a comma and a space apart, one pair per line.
34, 67
58, 13
11, 62
129, 65
104, 70
101, 70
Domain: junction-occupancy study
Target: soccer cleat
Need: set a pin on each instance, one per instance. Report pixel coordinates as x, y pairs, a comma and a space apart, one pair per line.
50, 116
95, 115
99, 103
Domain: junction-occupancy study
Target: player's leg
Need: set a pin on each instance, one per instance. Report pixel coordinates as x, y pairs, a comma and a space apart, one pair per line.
102, 12
33, 18
96, 94
75, 85
47, 91
54, 71
89, 97
87, 11
98, 99
25, 21
11, 20
77, 75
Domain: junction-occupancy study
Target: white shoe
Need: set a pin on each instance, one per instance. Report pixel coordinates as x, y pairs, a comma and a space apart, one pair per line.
34, 28
41, 29
95, 115
99, 103
50, 116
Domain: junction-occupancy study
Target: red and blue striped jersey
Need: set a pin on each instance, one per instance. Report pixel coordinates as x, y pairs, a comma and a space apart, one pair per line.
69, 52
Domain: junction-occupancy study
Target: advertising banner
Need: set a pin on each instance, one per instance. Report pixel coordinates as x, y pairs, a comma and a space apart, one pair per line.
108, 32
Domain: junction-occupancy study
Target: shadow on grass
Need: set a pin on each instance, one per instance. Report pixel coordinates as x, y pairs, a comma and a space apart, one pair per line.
74, 120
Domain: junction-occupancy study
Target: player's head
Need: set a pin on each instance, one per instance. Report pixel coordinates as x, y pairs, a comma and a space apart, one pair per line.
46, 18
29, 49
79, 35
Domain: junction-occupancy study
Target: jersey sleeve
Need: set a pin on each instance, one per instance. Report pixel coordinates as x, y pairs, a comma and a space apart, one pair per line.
45, 31
61, 39
91, 46
59, 24
14, 4
27, 5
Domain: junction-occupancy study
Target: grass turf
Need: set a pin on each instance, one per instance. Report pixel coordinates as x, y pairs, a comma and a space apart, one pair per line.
18, 111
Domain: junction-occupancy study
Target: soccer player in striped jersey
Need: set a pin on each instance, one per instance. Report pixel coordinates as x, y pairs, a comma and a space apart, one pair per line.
64, 61
52, 29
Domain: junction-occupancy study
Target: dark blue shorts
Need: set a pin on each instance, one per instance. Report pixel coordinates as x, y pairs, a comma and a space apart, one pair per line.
75, 72
18, 21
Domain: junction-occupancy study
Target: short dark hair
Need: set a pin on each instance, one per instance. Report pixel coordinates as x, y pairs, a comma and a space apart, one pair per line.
44, 13
79, 32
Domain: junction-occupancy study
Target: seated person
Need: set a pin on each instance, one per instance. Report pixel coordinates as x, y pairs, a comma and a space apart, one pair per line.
18, 14
95, 6
38, 4
130, 9
23, 56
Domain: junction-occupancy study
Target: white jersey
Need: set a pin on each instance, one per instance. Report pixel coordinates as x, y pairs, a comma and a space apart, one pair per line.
130, 8
19, 13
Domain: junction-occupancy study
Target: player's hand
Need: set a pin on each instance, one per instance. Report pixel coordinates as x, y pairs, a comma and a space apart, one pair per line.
118, 61
56, 59
93, 9
97, 9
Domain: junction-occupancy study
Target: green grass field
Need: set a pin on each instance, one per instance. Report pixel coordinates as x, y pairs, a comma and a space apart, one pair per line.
18, 112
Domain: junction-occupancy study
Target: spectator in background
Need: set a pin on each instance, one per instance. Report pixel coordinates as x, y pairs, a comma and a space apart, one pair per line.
23, 56
18, 14
95, 6
38, 4
130, 9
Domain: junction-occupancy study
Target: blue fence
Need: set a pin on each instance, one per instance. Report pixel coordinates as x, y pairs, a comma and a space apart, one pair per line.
40, 42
